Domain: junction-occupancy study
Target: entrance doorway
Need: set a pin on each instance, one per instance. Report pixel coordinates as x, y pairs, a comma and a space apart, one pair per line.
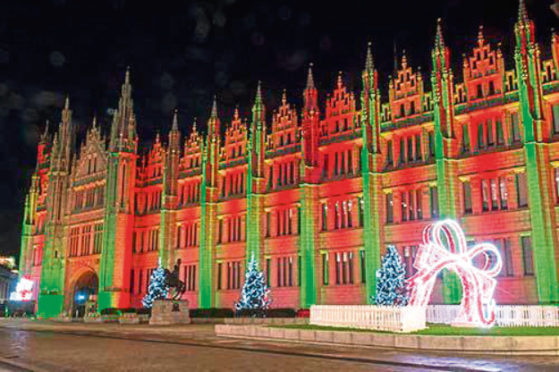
85, 291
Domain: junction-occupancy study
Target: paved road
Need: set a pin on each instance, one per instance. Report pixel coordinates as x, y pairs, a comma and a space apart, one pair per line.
79, 350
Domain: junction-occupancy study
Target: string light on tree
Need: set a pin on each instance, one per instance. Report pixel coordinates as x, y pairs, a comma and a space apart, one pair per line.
255, 294
391, 280
157, 288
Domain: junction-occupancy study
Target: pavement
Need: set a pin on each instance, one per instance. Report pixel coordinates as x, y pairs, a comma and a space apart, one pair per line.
31, 345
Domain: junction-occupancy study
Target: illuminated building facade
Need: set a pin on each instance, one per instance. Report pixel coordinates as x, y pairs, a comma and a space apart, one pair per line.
315, 194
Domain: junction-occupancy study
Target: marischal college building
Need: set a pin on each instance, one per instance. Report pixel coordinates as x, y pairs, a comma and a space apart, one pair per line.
314, 194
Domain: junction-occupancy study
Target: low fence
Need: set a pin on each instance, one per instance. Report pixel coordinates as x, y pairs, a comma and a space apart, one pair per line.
505, 315
384, 318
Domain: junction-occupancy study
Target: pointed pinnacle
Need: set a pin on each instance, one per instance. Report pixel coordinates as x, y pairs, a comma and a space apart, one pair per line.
339, 82
522, 14
404, 59
310, 80
284, 97
369, 59
236, 113
259, 92
45, 134
214, 108
480, 35
194, 125
175, 126
127, 75
439, 41
94, 122
67, 102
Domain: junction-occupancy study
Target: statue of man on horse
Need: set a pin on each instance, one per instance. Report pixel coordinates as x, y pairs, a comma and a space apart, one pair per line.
172, 281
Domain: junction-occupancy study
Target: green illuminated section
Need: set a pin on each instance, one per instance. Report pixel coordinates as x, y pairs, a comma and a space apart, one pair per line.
309, 194
371, 177
106, 267
441, 81
255, 179
536, 157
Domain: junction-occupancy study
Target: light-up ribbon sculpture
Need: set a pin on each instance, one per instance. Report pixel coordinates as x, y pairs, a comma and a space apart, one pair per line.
444, 247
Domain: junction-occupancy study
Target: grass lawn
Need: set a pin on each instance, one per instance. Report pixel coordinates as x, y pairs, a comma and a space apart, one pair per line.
444, 330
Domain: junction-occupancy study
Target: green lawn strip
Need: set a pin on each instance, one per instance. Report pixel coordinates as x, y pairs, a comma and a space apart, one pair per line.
443, 330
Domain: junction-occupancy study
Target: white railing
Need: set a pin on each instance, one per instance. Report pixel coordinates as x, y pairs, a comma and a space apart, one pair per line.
383, 318
505, 315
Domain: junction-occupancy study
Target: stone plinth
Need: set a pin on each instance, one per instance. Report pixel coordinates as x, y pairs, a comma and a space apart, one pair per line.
166, 312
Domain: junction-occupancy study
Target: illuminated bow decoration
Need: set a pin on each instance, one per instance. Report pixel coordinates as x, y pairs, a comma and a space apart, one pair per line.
444, 247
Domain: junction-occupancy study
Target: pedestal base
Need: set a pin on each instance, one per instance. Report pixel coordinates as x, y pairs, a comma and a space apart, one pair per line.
166, 312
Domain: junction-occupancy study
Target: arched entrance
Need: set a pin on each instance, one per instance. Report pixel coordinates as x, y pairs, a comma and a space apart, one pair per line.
84, 292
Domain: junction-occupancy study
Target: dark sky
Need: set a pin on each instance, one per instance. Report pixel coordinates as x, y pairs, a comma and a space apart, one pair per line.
182, 52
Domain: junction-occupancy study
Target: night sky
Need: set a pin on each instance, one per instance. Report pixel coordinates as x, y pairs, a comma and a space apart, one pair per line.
181, 53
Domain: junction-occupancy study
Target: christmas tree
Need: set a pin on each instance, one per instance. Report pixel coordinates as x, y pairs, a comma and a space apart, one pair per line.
391, 287
255, 293
157, 288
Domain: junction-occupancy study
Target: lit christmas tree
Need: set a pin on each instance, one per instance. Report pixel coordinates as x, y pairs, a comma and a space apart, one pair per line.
157, 289
391, 287
255, 294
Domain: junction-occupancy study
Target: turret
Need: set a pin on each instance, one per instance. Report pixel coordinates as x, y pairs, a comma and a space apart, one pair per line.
123, 128
310, 123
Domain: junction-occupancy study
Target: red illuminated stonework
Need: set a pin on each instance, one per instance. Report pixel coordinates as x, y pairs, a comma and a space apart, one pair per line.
316, 194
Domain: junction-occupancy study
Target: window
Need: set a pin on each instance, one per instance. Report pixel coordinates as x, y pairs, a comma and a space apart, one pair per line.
490, 137
503, 193
419, 204
465, 139
467, 190
555, 112
324, 217
479, 91
521, 190
404, 206
480, 136
418, 147
503, 245
402, 151
491, 88
219, 269
500, 135
268, 271
431, 144
325, 265
389, 155
284, 271
132, 281
515, 127
344, 268
434, 201
360, 210
189, 277
527, 255
363, 265
410, 149
485, 195
389, 208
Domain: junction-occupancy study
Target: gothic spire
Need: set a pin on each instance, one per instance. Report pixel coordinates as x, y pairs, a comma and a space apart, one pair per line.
123, 127
45, 135
175, 126
439, 41
310, 80
339, 82
284, 97
522, 13
214, 108
369, 65
480, 37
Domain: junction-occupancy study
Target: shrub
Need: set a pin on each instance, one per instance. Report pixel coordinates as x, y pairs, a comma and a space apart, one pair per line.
128, 310
211, 313
303, 313
110, 311
144, 311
